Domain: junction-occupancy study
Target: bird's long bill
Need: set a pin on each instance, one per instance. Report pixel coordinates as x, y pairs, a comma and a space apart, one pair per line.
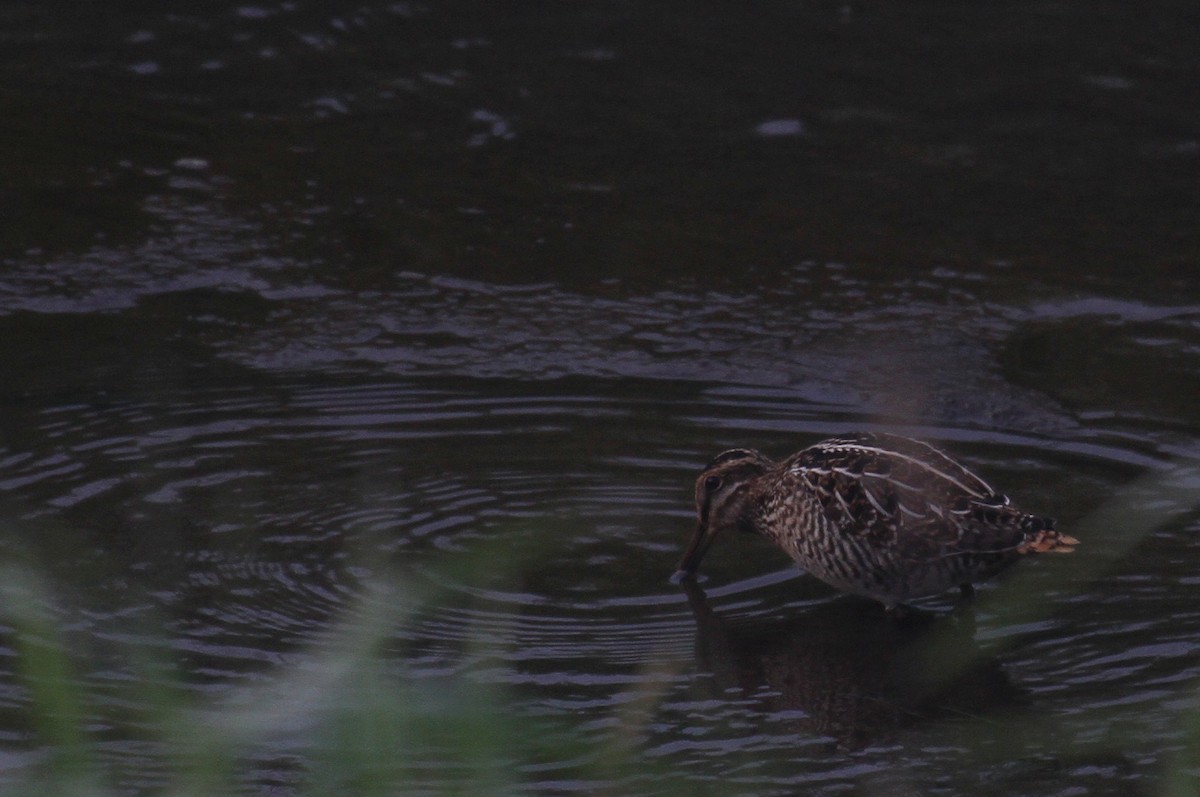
696, 549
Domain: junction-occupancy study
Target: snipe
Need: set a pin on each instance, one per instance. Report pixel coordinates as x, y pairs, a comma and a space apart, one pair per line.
878, 515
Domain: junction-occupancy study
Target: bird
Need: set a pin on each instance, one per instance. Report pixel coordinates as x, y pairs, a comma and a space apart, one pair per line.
873, 514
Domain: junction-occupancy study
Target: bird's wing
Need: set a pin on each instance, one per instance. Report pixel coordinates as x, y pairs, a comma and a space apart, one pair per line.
907, 494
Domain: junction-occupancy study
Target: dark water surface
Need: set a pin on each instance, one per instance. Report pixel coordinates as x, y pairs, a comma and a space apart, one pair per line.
429, 313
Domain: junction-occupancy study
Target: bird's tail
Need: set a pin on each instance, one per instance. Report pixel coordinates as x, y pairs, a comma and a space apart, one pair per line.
1040, 537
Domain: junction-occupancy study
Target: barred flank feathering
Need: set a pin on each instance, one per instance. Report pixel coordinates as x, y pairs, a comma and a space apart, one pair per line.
874, 514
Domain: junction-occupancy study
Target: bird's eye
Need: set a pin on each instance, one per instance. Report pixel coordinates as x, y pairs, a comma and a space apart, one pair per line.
712, 483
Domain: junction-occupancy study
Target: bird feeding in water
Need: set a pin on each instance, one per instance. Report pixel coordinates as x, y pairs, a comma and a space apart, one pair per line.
879, 515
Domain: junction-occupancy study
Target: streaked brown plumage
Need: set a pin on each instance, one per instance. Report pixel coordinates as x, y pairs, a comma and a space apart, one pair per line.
878, 515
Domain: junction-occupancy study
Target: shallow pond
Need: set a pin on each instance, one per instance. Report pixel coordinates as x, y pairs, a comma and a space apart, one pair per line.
357, 364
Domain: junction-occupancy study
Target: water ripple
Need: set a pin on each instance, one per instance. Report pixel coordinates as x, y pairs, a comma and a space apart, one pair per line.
542, 524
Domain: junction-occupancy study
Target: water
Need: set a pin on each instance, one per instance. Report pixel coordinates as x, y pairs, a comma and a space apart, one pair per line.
421, 319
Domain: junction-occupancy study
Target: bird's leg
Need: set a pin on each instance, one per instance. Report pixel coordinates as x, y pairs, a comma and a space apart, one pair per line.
964, 612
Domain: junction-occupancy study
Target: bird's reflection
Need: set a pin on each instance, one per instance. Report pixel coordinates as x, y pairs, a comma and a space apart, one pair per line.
850, 671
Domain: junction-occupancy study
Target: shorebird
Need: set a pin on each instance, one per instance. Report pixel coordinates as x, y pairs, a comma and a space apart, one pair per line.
879, 515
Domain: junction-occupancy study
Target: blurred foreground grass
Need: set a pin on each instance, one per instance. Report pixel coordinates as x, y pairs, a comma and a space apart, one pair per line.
349, 720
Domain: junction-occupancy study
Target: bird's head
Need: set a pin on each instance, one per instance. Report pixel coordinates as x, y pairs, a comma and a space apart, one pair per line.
722, 501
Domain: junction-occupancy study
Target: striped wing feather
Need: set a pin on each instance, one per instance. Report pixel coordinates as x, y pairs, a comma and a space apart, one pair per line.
910, 495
